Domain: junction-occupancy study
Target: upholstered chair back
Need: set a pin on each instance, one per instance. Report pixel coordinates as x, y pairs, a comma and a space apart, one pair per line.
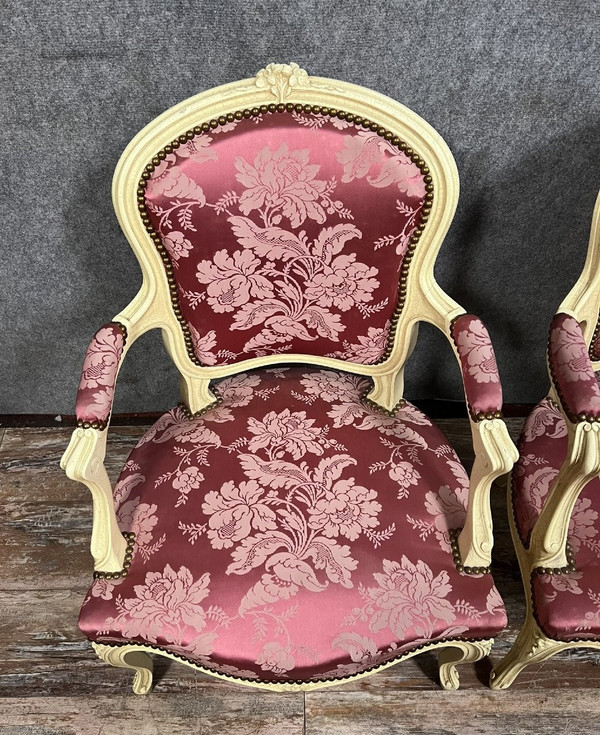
284, 229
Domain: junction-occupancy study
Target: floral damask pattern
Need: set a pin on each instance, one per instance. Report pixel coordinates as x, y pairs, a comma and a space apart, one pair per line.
566, 605
478, 362
571, 368
257, 517
299, 263
99, 374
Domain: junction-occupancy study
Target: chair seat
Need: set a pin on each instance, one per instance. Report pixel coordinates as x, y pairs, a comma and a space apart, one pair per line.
292, 533
567, 606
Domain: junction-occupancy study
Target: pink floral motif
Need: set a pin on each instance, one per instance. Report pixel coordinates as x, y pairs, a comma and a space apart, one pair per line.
285, 432
581, 525
332, 386
235, 511
571, 367
165, 606
543, 416
405, 475
177, 245
282, 181
274, 657
99, 373
569, 351
102, 358
448, 509
346, 508
187, 480
365, 150
494, 601
197, 149
409, 596
103, 588
233, 280
359, 647
204, 345
139, 518
537, 484
476, 350
343, 284
169, 181
368, 349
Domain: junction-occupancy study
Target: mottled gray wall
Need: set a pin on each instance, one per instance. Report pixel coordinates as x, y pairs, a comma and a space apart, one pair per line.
512, 86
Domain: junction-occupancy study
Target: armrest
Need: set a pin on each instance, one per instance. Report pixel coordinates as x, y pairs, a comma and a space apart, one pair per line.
99, 375
571, 370
83, 459
574, 384
495, 452
481, 380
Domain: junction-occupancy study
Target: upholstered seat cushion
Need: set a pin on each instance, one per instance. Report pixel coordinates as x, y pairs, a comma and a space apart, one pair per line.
292, 533
567, 606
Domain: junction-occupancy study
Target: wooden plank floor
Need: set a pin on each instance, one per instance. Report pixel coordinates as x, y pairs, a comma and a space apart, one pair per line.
51, 683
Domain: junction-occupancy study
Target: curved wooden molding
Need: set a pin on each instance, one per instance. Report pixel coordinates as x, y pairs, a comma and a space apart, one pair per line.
83, 461
495, 454
451, 654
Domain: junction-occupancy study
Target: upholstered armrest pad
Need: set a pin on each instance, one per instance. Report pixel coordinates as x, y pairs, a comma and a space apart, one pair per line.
98, 375
571, 369
478, 364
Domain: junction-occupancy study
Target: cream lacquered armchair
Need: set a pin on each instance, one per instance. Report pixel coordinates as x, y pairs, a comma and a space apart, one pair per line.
554, 494
287, 228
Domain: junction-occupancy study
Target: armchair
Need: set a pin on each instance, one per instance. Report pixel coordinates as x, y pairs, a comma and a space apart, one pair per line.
294, 477
555, 487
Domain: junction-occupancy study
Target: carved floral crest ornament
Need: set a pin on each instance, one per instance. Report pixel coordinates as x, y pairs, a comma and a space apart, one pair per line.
280, 222
282, 79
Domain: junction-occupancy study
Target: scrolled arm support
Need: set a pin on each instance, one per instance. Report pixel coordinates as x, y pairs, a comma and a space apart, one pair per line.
549, 536
83, 460
495, 453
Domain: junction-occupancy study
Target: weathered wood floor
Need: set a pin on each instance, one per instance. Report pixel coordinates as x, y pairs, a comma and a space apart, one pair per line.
51, 683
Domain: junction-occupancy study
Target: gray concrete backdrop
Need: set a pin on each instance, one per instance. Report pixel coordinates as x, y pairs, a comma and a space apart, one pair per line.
513, 86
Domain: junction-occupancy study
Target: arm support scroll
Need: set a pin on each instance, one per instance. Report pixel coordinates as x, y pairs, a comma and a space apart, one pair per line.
83, 460
495, 453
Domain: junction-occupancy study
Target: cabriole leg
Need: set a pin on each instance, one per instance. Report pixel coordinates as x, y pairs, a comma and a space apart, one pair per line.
129, 657
460, 652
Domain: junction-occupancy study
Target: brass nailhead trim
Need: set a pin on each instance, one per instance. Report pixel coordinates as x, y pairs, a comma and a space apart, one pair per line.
130, 538
454, 534
592, 352
340, 679
101, 425
270, 109
476, 417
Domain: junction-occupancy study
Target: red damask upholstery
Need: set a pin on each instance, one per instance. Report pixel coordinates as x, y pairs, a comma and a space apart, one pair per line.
290, 498
99, 374
571, 368
478, 365
567, 606
269, 224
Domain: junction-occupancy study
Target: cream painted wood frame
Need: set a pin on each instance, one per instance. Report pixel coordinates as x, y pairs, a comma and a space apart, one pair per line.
548, 544
151, 308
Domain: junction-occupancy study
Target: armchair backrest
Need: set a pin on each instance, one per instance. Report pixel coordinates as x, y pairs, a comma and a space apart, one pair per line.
287, 218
